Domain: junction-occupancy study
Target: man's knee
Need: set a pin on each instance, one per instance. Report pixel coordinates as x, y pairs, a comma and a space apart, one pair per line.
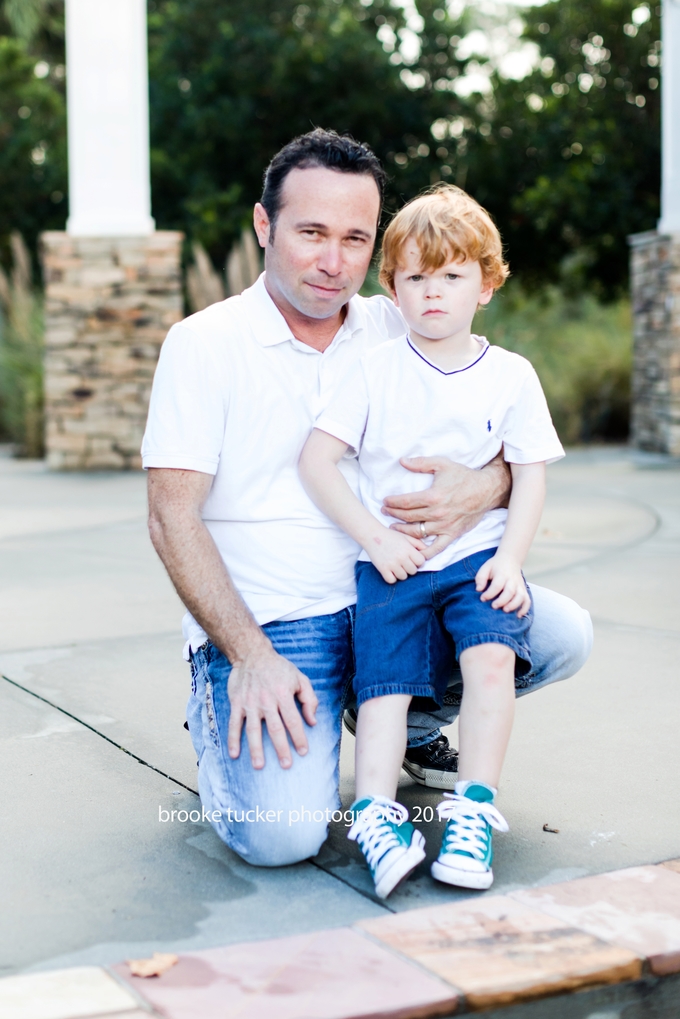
279, 844
561, 634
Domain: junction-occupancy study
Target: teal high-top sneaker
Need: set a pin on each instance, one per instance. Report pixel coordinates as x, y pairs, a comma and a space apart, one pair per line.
392, 846
467, 851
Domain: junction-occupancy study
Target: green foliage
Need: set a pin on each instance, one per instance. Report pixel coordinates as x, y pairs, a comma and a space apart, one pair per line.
21, 355
32, 146
570, 161
231, 85
581, 350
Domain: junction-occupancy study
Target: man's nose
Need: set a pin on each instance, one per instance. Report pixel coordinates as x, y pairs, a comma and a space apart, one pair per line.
330, 258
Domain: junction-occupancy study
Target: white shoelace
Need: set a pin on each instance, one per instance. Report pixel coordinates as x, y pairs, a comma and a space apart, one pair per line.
372, 831
469, 835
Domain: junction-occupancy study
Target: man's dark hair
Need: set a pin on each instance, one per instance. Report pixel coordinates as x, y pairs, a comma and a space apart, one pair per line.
318, 148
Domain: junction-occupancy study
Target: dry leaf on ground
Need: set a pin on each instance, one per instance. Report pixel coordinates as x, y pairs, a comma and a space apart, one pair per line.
156, 966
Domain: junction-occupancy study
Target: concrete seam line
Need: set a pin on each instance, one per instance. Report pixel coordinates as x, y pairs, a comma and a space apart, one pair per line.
98, 733
344, 881
169, 776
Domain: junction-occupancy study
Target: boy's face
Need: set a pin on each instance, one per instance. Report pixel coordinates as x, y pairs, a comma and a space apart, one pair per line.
439, 303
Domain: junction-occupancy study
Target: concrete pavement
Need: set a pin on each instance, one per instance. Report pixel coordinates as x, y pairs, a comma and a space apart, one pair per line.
90, 626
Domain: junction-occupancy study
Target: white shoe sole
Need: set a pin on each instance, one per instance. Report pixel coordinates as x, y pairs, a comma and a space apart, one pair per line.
461, 878
402, 867
429, 776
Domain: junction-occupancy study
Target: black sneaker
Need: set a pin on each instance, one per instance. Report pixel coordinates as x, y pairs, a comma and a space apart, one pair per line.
434, 765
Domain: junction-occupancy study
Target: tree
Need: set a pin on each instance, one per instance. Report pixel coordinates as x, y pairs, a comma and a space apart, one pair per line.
568, 160
32, 144
32, 120
231, 84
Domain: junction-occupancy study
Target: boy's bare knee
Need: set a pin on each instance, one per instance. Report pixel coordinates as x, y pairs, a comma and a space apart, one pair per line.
488, 659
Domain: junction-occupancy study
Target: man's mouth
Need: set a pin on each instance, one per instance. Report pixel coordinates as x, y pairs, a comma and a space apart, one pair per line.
325, 291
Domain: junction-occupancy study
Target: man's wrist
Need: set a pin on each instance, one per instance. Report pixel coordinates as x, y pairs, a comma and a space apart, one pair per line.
499, 483
253, 645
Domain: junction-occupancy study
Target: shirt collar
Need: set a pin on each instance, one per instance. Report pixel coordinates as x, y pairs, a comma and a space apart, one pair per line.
270, 327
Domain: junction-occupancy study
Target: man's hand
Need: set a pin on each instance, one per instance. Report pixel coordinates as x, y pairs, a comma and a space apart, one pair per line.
396, 556
262, 684
455, 503
501, 578
263, 688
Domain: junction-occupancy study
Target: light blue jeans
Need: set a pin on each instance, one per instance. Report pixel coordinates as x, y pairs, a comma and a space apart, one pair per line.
274, 817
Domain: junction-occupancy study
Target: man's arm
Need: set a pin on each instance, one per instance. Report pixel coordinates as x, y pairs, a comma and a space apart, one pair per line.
457, 500
262, 685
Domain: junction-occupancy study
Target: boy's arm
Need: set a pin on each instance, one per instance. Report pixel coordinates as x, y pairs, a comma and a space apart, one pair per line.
503, 573
395, 555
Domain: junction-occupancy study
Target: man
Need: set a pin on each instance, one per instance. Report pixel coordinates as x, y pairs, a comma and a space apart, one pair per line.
267, 579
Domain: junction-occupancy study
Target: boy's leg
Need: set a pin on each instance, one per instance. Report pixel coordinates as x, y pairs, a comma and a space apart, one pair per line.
487, 711
380, 745
492, 646
561, 641
398, 649
273, 816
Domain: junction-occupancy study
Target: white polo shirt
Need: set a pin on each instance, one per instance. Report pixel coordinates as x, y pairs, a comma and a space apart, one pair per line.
235, 395
396, 403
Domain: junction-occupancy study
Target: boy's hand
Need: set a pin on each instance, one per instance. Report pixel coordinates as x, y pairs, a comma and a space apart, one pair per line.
501, 578
396, 556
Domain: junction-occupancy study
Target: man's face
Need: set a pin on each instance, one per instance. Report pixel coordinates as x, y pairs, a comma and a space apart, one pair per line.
323, 239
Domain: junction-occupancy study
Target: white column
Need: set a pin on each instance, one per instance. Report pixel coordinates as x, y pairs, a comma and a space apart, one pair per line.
670, 118
108, 118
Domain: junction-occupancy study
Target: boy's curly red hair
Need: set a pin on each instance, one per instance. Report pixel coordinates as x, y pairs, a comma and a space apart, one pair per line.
448, 226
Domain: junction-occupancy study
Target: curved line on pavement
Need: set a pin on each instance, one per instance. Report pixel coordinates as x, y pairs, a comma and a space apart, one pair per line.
612, 550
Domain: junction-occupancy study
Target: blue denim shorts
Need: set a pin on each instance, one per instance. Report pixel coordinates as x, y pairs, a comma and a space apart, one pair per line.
410, 634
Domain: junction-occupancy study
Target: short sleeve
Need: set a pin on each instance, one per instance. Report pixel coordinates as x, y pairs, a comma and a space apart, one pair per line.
390, 320
529, 435
187, 411
346, 415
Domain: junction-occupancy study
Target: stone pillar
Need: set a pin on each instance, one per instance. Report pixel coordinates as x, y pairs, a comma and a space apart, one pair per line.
655, 296
655, 276
112, 285
108, 304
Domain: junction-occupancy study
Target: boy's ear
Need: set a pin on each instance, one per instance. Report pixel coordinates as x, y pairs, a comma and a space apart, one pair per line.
486, 295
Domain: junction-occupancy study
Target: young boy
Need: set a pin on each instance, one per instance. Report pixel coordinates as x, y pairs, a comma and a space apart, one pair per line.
439, 390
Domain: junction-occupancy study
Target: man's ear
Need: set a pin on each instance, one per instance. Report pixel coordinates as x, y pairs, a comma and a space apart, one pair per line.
261, 224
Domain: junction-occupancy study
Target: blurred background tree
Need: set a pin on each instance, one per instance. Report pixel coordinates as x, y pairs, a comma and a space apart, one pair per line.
548, 115
33, 181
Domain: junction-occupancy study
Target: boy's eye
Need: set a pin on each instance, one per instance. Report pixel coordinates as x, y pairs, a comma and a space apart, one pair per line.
416, 278
452, 276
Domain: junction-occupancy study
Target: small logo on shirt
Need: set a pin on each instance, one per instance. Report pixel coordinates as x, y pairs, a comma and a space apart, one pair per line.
488, 426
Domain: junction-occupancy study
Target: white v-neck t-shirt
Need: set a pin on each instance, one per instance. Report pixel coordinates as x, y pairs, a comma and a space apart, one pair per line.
235, 395
397, 403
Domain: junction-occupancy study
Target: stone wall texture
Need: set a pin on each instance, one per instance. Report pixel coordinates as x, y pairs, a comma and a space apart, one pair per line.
655, 293
109, 303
